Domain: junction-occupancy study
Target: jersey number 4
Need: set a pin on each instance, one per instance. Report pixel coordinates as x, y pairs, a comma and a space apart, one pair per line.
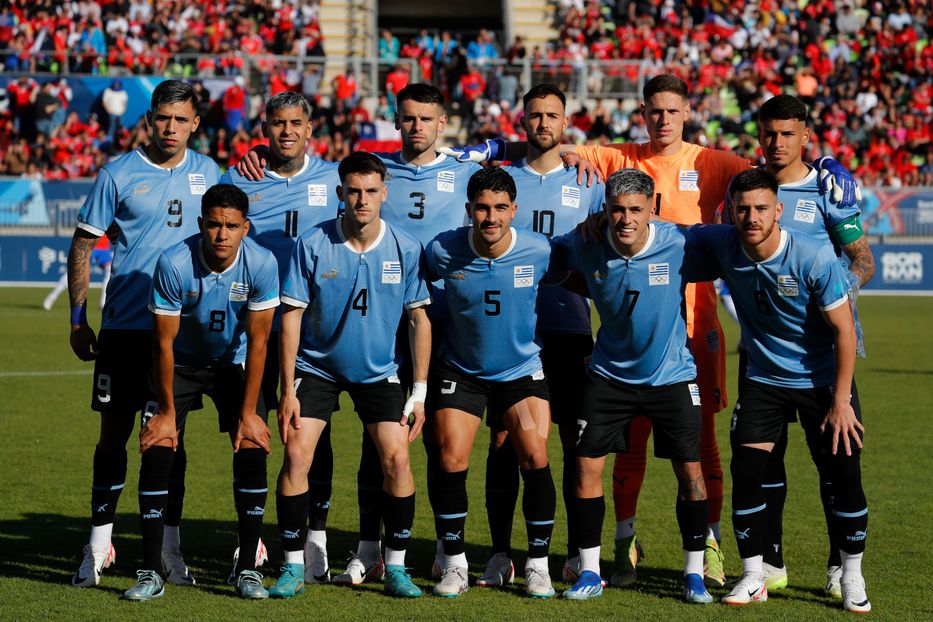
360, 303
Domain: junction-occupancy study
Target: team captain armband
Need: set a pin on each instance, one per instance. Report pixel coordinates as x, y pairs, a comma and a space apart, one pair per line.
848, 231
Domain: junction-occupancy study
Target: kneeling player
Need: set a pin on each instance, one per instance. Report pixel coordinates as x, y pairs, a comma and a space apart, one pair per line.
641, 365
491, 275
213, 298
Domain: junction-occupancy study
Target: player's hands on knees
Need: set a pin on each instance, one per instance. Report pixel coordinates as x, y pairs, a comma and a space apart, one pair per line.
592, 228
252, 428
841, 421
160, 427
289, 415
585, 168
83, 342
250, 166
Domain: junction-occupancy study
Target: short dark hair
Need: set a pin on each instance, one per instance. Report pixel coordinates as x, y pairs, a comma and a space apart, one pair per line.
783, 108
361, 163
493, 178
172, 91
421, 93
753, 179
225, 195
665, 83
540, 91
287, 99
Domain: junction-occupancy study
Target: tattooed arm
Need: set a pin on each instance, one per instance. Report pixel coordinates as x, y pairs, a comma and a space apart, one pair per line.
861, 261
83, 339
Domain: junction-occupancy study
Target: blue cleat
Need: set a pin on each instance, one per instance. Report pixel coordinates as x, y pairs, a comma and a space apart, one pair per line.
589, 585
291, 582
695, 590
249, 585
398, 583
149, 586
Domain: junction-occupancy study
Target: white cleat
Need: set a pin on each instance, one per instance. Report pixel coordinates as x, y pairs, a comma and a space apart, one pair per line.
453, 582
262, 556
499, 571
833, 582
854, 598
176, 571
361, 570
750, 589
93, 564
317, 569
538, 583
775, 578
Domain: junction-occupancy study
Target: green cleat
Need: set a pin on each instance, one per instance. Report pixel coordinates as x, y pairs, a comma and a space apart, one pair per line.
249, 585
291, 582
713, 573
398, 583
775, 578
149, 586
627, 555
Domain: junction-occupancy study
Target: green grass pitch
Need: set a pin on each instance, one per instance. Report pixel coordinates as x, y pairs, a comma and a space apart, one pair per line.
49, 432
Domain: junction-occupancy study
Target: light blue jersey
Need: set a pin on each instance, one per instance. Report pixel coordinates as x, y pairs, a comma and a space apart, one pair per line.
491, 328
642, 338
213, 306
553, 204
154, 208
282, 208
353, 301
424, 201
780, 302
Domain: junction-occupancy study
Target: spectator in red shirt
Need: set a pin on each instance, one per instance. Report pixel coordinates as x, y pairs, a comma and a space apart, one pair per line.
234, 105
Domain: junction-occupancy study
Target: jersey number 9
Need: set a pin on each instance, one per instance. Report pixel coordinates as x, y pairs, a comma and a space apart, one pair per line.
174, 213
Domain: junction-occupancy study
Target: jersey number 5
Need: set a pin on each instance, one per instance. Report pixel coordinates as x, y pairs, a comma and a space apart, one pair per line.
493, 305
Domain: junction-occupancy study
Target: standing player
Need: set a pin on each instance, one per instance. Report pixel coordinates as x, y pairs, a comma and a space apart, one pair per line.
213, 298
783, 134
490, 357
356, 275
691, 182
790, 293
555, 204
151, 195
294, 193
641, 366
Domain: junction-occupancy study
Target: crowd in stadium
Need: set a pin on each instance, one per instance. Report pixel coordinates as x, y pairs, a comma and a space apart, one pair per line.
862, 67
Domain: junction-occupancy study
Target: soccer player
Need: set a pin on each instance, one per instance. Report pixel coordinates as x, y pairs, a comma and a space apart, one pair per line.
213, 298
783, 133
691, 182
489, 357
151, 195
355, 275
641, 366
295, 193
790, 292
554, 204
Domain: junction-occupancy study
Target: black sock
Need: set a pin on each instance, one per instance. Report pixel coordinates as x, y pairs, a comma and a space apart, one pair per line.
108, 482
691, 518
775, 492
320, 482
501, 495
850, 508
176, 485
452, 506
569, 488
154, 471
590, 514
292, 512
369, 493
249, 496
399, 513
539, 500
748, 501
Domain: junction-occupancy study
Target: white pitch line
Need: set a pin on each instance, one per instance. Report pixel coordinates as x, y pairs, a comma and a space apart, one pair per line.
28, 374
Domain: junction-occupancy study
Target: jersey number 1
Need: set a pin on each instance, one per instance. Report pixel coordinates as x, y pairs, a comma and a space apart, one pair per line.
291, 223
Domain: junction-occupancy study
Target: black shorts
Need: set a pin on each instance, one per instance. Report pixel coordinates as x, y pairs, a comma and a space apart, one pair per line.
270, 373
121, 371
609, 407
374, 403
449, 388
762, 412
566, 357
224, 385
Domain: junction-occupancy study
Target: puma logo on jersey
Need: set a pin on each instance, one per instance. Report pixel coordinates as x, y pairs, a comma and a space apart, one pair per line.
457, 276
141, 189
330, 274
847, 226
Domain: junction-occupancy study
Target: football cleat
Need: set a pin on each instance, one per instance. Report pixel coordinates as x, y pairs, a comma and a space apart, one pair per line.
249, 585
176, 571
361, 570
398, 583
571, 570
93, 564
833, 581
290, 583
149, 586
749, 589
499, 571
628, 552
775, 578
453, 582
538, 583
695, 590
317, 569
262, 556
854, 598
713, 573
589, 585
